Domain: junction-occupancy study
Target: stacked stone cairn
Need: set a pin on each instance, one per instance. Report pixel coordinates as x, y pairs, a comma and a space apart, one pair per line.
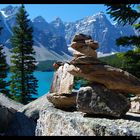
106, 93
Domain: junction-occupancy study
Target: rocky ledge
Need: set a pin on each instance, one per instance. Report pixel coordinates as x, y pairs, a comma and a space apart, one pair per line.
57, 122
42, 118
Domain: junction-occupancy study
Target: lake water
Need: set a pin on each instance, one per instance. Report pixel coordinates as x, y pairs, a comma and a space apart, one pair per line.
44, 81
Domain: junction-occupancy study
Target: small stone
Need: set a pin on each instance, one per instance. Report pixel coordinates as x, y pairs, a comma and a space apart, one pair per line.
85, 60
84, 49
63, 101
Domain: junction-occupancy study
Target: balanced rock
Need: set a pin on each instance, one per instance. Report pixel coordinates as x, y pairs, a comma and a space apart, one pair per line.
65, 101
81, 37
93, 44
77, 54
85, 60
63, 81
113, 78
84, 49
102, 101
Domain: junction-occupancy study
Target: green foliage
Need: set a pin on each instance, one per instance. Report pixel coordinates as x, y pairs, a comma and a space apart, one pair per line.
23, 83
123, 13
113, 60
128, 14
3, 71
132, 62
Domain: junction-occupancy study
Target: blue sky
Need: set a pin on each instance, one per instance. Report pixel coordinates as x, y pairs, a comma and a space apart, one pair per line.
67, 12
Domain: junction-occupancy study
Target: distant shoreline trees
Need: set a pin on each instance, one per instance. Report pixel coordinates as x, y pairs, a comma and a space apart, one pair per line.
23, 83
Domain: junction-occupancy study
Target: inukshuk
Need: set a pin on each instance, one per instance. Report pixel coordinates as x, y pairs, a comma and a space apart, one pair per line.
105, 94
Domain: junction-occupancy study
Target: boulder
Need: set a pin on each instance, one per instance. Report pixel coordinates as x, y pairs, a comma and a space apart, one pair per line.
21, 125
81, 37
8, 108
101, 101
63, 81
31, 110
84, 49
9, 103
6, 116
56, 122
113, 78
24, 121
65, 101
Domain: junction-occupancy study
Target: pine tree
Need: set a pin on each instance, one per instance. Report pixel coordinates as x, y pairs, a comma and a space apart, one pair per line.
3, 71
23, 83
128, 14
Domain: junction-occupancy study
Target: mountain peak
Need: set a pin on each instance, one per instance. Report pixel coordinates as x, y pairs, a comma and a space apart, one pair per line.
100, 14
58, 19
9, 10
39, 19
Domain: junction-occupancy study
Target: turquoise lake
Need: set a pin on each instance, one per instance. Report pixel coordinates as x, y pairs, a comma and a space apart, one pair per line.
44, 81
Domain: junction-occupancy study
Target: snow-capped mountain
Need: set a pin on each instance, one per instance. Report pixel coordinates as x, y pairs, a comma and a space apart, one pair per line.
47, 45
101, 30
51, 40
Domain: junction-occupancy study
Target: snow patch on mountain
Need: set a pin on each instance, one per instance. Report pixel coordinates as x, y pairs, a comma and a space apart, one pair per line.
4, 19
10, 10
3, 13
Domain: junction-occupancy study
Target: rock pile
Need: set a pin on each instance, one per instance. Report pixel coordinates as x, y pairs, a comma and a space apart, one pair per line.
92, 69
106, 94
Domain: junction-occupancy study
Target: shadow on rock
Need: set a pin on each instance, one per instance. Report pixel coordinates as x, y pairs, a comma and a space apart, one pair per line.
21, 125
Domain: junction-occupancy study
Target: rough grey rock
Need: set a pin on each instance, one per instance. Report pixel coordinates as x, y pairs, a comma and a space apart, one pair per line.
100, 100
9, 103
21, 125
55, 122
24, 121
32, 109
8, 108
6, 116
